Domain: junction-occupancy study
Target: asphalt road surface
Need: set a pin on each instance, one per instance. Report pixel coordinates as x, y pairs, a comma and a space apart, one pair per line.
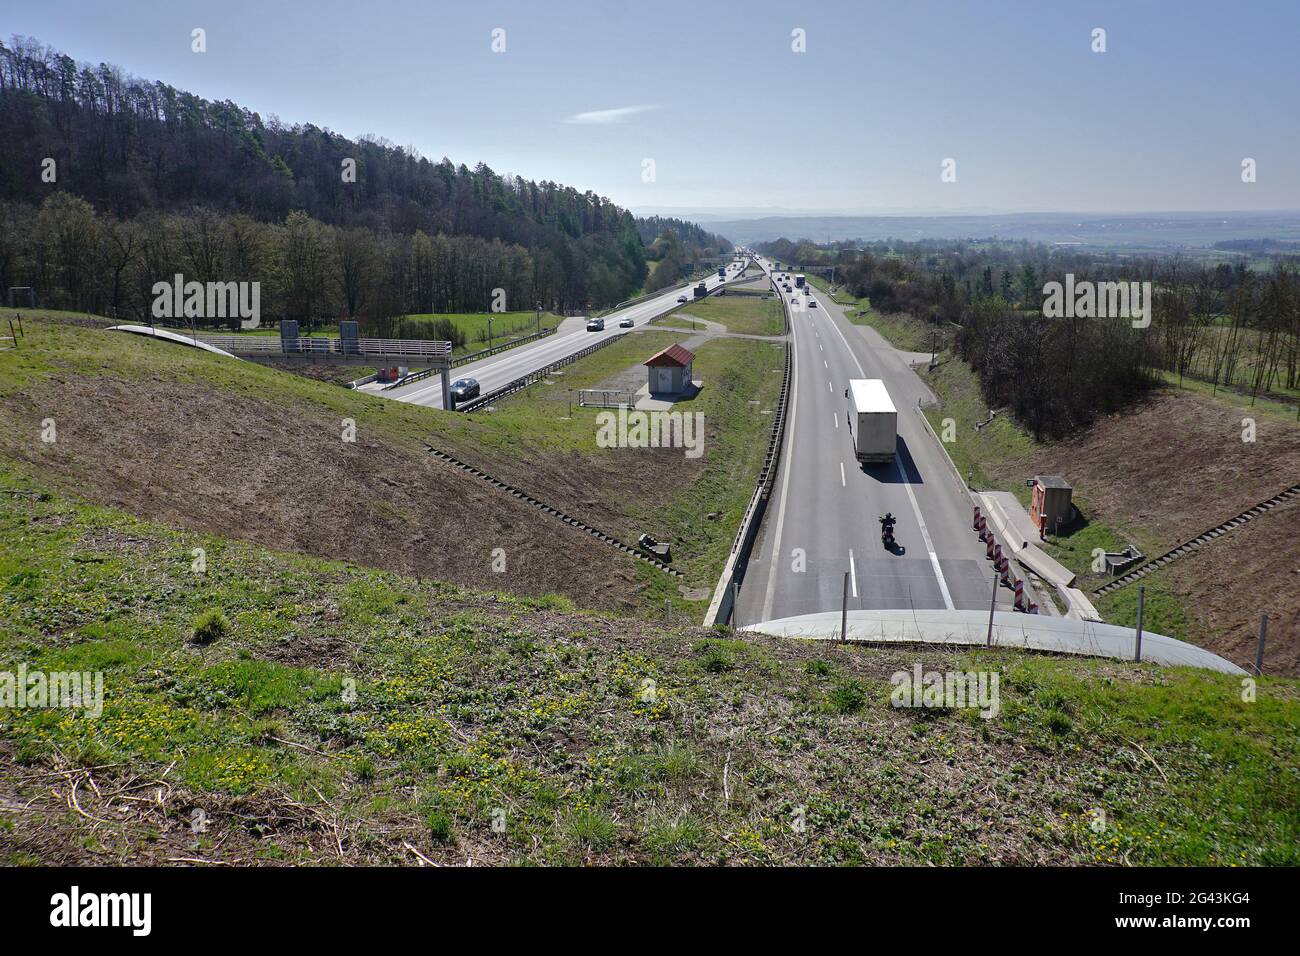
822, 518
570, 337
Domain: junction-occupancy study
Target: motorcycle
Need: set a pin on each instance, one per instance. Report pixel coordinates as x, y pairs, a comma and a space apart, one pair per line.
887, 532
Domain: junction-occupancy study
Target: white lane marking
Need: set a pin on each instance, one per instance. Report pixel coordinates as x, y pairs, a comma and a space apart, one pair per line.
843, 483
836, 416
929, 545
853, 573
907, 485
824, 365
830, 386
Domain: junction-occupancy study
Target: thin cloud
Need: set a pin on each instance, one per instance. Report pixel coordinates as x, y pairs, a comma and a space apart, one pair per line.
607, 117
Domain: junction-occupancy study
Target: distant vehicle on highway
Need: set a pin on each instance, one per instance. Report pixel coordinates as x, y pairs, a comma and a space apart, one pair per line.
595, 325
681, 298
873, 420
463, 389
626, 323
812, 303
799, 281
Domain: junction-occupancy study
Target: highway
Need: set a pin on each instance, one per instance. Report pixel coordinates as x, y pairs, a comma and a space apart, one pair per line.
822, 518
503, 368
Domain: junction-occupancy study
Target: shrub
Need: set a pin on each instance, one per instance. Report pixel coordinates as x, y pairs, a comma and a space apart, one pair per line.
440, 826
210, 626
847, 697
592, 828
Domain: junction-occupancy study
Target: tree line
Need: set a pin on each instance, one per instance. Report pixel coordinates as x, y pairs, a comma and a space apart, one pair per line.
337, 226
1231, 324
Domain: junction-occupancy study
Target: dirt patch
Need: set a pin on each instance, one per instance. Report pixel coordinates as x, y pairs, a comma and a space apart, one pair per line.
1176, 466
1233, 580
210, 460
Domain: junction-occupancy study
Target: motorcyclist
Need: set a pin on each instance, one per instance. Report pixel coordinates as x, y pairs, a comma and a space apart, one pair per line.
888, 521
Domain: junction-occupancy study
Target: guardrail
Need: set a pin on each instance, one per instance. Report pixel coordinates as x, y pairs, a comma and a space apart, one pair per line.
423, 349
470, 357
722, 606
521, 383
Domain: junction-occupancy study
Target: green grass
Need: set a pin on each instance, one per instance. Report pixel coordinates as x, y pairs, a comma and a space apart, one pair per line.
747, 314
1261, 406
414, 712
504, 326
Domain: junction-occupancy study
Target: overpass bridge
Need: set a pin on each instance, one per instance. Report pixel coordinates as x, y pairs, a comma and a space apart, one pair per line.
347, 348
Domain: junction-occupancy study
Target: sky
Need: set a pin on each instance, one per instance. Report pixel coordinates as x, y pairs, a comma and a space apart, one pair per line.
690, 107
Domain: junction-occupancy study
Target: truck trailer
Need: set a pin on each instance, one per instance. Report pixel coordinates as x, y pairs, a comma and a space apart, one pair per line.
701, 291
798, 282
873, 420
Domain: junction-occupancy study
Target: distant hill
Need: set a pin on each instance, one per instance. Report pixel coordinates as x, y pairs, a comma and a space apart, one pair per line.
1168, 231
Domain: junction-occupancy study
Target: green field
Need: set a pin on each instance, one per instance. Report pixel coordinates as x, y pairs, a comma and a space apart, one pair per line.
746, 314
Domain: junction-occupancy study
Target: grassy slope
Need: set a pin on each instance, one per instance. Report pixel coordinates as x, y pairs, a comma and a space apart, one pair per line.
530, 440
359, 716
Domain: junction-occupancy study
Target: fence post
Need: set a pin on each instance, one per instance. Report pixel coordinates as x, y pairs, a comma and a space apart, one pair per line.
1137, 646
670, 610
1259, 651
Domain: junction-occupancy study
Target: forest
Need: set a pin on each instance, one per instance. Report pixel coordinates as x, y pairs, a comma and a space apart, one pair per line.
109, 183
1231, 325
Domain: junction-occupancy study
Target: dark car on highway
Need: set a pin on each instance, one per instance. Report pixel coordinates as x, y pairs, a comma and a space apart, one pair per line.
464, 389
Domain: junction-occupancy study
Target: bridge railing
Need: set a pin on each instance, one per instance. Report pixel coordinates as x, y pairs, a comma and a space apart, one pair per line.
424, 350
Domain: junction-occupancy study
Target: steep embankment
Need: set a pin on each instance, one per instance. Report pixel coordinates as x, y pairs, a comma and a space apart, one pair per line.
1174, 467
229, 447
345, 715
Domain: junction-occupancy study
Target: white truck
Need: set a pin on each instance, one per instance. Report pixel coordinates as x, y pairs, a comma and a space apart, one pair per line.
873, 420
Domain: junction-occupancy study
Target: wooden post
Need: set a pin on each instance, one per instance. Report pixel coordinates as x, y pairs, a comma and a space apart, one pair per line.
1137, 645
1259, 651
670, 610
